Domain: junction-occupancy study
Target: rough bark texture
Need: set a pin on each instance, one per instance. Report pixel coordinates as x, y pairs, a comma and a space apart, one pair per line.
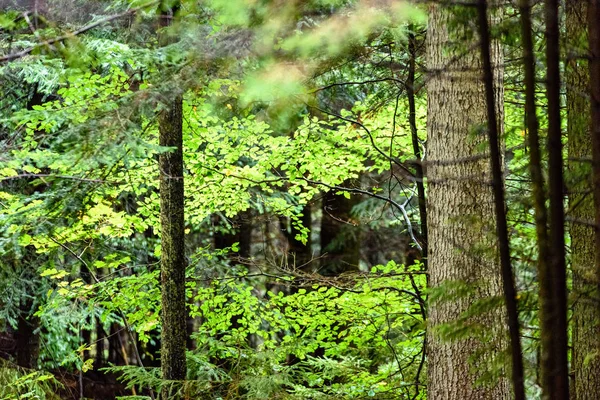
594, 42
460, 213
174, 315
172, 234
586, 314
555, 384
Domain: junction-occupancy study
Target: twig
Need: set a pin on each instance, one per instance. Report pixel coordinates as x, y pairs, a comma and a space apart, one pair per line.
49, 42
377, 196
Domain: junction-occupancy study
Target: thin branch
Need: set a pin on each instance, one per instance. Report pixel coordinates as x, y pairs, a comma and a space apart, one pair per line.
49, 42
331, 85
377, 196
74, 178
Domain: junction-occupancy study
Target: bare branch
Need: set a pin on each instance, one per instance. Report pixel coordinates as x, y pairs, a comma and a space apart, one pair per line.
49, 42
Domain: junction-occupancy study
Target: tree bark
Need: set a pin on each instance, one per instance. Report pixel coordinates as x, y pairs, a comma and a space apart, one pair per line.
460, 212
174, 315
586, 314
555, 384
594, 41
172, 261
412, 120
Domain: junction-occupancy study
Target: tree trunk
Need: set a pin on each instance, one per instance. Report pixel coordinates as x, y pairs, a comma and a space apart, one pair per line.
101, 338
100, 346
340, 244
27, 339
27, 336
172, 234
555, 384
594, 42
412, 120
174, 315
460, 213
586, 314
545, 351
241, 233
508, 282
86, 332
172, 260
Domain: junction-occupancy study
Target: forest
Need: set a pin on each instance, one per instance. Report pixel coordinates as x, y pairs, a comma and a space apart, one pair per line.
300, 199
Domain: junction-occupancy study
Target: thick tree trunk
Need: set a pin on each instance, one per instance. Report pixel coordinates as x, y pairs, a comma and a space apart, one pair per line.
174, 315
586, 313
172, 236
594, 41
460, 213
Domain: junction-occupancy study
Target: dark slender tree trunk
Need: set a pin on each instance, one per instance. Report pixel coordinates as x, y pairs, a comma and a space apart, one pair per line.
412, 119
510, 294
241, 233
555, 384
340, 235
539, 198
86, 332
27, 338
117, 354
100, 345
113, 348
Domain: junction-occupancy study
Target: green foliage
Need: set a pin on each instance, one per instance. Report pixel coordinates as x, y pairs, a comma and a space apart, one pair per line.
365, 331
79, 195
18, 383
